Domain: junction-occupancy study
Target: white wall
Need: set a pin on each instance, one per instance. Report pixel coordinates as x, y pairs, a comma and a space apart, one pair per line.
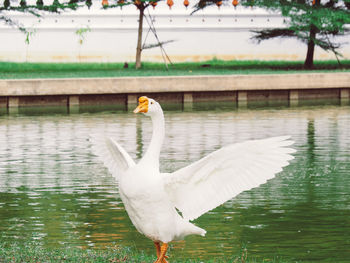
213, 33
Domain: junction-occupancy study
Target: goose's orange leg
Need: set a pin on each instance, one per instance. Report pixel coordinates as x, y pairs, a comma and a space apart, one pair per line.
161, 251
157, 244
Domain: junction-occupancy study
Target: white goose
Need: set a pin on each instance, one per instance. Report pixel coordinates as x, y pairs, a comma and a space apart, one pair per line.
151, 197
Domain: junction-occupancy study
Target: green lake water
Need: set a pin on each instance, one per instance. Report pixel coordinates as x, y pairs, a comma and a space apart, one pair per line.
54, 191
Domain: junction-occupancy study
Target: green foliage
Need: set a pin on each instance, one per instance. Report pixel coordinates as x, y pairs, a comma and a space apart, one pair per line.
12, 23
23, 3
138, 3
157, 44
34, 9
313, 22
29, 35
39, 3
40, 6
88, 3
81, 33
6, 4
328, 19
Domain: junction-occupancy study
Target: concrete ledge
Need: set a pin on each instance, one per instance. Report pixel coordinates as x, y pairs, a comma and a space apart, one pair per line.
182, 92
127, 85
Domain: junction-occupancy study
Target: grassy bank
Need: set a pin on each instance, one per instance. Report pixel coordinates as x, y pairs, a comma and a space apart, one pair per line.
33, 253
9, 70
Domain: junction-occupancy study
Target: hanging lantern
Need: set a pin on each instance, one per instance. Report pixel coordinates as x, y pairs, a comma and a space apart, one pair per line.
235, 3
137, 3
153, 3
104, 3
219, 3
186, 3
170, 3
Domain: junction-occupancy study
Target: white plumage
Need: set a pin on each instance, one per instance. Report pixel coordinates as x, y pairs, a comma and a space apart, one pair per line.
151, 198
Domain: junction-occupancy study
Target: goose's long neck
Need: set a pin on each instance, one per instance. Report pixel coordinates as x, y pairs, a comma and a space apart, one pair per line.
153, 151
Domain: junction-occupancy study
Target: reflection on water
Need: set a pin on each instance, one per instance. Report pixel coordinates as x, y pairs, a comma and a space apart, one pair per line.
54, 190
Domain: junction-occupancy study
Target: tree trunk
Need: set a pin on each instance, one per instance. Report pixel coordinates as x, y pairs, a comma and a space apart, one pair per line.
141, 8
309, 61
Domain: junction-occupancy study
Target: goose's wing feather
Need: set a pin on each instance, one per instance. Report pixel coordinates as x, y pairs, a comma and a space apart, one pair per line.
113, 156
223, 174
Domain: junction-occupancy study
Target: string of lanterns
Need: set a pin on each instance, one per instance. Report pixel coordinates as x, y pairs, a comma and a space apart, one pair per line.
170, 3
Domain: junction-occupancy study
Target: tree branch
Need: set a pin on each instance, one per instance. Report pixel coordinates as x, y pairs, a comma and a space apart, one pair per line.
265, 34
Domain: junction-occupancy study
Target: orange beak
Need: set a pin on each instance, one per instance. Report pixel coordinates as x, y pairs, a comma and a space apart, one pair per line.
143, 105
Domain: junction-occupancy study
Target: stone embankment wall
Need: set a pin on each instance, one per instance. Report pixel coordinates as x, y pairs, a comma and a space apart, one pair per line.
239, 90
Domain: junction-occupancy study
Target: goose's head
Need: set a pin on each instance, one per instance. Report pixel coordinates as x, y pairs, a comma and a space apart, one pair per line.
148, 106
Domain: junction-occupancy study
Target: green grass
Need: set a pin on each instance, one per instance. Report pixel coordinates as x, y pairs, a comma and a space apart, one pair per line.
10, 70
34, 253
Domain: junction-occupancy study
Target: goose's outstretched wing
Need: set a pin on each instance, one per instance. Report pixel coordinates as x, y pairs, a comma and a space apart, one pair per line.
223, 174
113, 156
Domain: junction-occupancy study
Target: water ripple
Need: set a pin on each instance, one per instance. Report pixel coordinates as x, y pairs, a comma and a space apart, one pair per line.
53, 189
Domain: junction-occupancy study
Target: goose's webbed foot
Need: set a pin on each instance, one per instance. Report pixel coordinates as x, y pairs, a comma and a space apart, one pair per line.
161, 251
